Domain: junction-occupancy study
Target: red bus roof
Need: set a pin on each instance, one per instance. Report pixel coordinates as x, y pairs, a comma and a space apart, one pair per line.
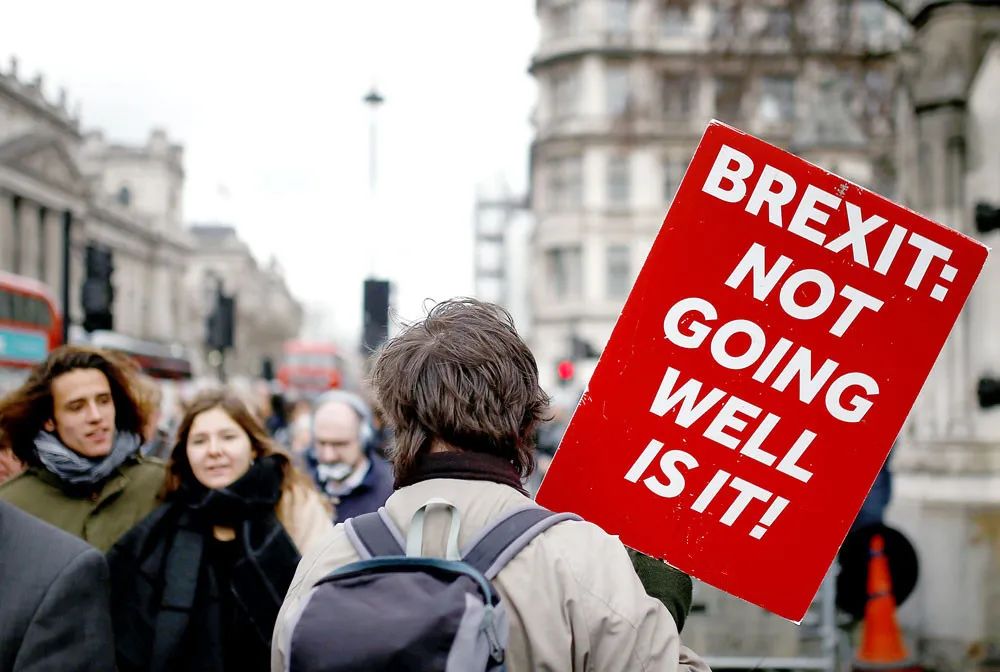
292, 347
26, 285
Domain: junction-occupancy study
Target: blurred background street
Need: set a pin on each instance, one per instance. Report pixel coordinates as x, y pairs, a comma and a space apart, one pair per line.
225, 192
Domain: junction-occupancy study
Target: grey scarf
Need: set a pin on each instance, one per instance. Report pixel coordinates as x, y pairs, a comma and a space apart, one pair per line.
76, 469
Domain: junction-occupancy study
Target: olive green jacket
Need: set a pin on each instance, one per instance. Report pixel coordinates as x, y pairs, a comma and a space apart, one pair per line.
99, 516
670, 586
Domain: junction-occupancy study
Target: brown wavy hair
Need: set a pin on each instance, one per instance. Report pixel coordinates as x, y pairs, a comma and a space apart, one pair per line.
461, 376
179, 468
24, 411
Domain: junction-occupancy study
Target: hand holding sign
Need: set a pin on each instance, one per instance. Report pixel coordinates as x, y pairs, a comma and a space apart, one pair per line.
771, 348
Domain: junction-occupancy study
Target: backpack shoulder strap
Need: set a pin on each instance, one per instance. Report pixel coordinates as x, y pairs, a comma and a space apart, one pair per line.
374, 535
499, 542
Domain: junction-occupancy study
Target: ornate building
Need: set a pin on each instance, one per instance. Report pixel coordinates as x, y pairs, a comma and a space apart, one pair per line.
126, 200
135, 210
43, 195
947, 467
266, 313
626, 88
897, 95
52, 180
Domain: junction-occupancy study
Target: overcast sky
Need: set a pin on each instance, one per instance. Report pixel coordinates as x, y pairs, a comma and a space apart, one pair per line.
267, 104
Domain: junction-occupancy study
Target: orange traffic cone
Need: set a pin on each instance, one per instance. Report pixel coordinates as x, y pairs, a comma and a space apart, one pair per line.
882, 645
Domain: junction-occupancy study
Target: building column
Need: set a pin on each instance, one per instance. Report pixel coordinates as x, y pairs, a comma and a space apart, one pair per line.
6, 231
53, 251
28, 214
78, 259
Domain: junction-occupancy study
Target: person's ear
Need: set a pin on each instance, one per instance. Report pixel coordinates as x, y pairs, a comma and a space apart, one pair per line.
49, 426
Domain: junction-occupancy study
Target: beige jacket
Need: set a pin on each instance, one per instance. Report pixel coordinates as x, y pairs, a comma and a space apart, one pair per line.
572, 596
306, 517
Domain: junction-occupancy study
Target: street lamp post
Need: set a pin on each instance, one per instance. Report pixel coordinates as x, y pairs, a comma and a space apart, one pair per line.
375, 297
373, 100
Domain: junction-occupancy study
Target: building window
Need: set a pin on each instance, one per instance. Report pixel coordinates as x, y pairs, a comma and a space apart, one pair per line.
676, 95
777, 23
564, 271
925, 172
844, 19
619, 271
729, 97
726, 25
957, 167
43, 244
777, 99
675, 17
565, 91
616, 89
565, 183
673, 171
618, 16
871, 18
618, 182
562, 19
124, 196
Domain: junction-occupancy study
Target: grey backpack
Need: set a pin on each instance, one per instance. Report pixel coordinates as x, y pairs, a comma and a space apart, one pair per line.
396, 610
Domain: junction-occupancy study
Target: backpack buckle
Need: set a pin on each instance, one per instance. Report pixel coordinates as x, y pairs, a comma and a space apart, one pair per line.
490, 628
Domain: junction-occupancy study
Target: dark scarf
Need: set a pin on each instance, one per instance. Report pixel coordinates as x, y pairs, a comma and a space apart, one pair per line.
465, 465
250, 498
186, 618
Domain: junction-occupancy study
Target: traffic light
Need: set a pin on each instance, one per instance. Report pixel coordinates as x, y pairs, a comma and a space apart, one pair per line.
221, 325
98, 293
582, 349
375, 328
565, 369
988, 392
987, 217
267, 368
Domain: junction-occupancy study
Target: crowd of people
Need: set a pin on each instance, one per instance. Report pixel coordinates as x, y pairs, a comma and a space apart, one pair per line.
138, 537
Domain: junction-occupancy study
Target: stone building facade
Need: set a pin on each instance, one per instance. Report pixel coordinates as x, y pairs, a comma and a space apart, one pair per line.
135, 210
42, 191
266, 313
898, 95
626, 88
50, 175
127, 199
947, 467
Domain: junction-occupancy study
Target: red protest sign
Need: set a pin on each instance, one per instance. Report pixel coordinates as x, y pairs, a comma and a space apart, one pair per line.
771, 348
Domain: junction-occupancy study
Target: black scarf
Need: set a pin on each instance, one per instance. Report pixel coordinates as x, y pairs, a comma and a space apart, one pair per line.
184, 615
463, 464
252, 497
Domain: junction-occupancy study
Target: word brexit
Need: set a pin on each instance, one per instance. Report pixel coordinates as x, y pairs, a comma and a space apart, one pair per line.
728, 182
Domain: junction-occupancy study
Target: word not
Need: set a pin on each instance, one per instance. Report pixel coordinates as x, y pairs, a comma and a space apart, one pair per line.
735, 167
675, 485
764, 281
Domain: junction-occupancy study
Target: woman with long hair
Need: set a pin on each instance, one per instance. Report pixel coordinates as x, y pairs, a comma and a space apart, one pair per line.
198, 583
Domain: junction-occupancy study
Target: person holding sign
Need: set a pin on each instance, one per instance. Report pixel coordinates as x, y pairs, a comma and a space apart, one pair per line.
461, 391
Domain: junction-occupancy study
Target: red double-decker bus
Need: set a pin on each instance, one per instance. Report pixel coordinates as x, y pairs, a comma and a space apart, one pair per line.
311, 367
30, 326
157, 360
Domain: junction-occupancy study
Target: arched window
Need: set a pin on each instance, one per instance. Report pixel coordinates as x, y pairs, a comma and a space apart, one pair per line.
125, 196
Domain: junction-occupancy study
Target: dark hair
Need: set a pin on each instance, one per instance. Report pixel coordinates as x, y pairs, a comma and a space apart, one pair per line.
179, 468
24, 411
464, 377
